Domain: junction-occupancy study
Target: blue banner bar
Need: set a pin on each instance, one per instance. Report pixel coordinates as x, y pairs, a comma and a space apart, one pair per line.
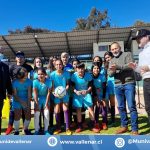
79, 142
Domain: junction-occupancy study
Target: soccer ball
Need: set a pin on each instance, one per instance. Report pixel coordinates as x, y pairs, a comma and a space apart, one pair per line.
60, 91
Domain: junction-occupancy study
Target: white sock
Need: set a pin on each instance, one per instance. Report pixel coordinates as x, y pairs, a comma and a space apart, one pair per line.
26, 124
36, 120
16, 125
46, 119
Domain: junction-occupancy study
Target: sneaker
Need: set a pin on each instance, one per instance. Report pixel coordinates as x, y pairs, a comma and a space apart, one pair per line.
9, 130
95, 130
104, 126
78, 130
36, 133
122, 130
46, 133
27, 132
134, 133
16, 133
68, 132
57, 131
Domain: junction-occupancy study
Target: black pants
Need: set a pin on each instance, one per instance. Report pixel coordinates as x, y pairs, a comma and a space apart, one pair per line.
1, 107
146, 90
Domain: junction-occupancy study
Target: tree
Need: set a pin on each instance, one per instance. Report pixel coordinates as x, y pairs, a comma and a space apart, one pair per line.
94, 21
139, 23
29, 29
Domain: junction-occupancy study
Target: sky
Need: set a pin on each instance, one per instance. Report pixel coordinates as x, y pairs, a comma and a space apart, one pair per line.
61, 15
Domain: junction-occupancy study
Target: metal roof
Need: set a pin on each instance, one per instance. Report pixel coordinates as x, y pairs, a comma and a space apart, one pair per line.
54, 43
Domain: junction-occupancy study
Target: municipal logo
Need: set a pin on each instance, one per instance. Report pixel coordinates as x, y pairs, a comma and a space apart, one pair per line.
119, 142
52, 141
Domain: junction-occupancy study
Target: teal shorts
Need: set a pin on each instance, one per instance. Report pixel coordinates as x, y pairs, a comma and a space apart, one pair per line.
80, 101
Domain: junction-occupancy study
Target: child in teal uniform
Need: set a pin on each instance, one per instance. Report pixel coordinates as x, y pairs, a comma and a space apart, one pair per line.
61, 78
42, 90
110, 89
82, 82
22, 87
99, 92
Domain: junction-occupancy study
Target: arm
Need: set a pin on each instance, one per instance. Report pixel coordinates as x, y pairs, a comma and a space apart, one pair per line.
35, 92
29, 95
47, 98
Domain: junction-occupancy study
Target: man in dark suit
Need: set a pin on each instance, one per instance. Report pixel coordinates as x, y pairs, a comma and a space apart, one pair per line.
5, 84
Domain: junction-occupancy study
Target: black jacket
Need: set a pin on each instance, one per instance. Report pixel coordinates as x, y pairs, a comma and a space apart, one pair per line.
5, 81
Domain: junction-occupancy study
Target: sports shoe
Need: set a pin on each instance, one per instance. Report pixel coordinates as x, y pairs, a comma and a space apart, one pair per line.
27, 132
57, 131
122, 130
68, 132
9, 130
16, 133
104, 126
95, 130
78, 130
46, 133
36, 133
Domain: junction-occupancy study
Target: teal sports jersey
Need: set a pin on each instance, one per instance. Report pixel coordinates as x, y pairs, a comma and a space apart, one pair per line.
98, 84
60, 80
81, 83
42, 88
22, 88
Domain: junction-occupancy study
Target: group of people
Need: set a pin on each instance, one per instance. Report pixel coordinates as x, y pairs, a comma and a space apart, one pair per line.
93, 90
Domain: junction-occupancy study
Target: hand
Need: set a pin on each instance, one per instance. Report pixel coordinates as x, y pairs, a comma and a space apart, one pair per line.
132, 65
84, 92
55, 94
46, 106
144, 69
78, 92
113, 67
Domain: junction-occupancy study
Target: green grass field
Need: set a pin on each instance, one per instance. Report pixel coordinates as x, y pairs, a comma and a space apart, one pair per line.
143, 127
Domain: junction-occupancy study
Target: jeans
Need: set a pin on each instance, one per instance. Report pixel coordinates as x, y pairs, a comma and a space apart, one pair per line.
125, 93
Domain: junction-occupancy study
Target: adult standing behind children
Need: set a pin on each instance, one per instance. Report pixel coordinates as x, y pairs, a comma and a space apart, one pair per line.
124, 87
143, 39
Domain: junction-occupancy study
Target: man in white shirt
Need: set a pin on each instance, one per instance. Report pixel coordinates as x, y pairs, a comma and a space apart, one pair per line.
143, 39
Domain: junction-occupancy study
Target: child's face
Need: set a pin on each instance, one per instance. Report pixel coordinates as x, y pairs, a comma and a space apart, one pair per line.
96, 59
64, 59
96, 70
107, 58
38, 63
41, 75
80, 71
58, 65
74, 64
